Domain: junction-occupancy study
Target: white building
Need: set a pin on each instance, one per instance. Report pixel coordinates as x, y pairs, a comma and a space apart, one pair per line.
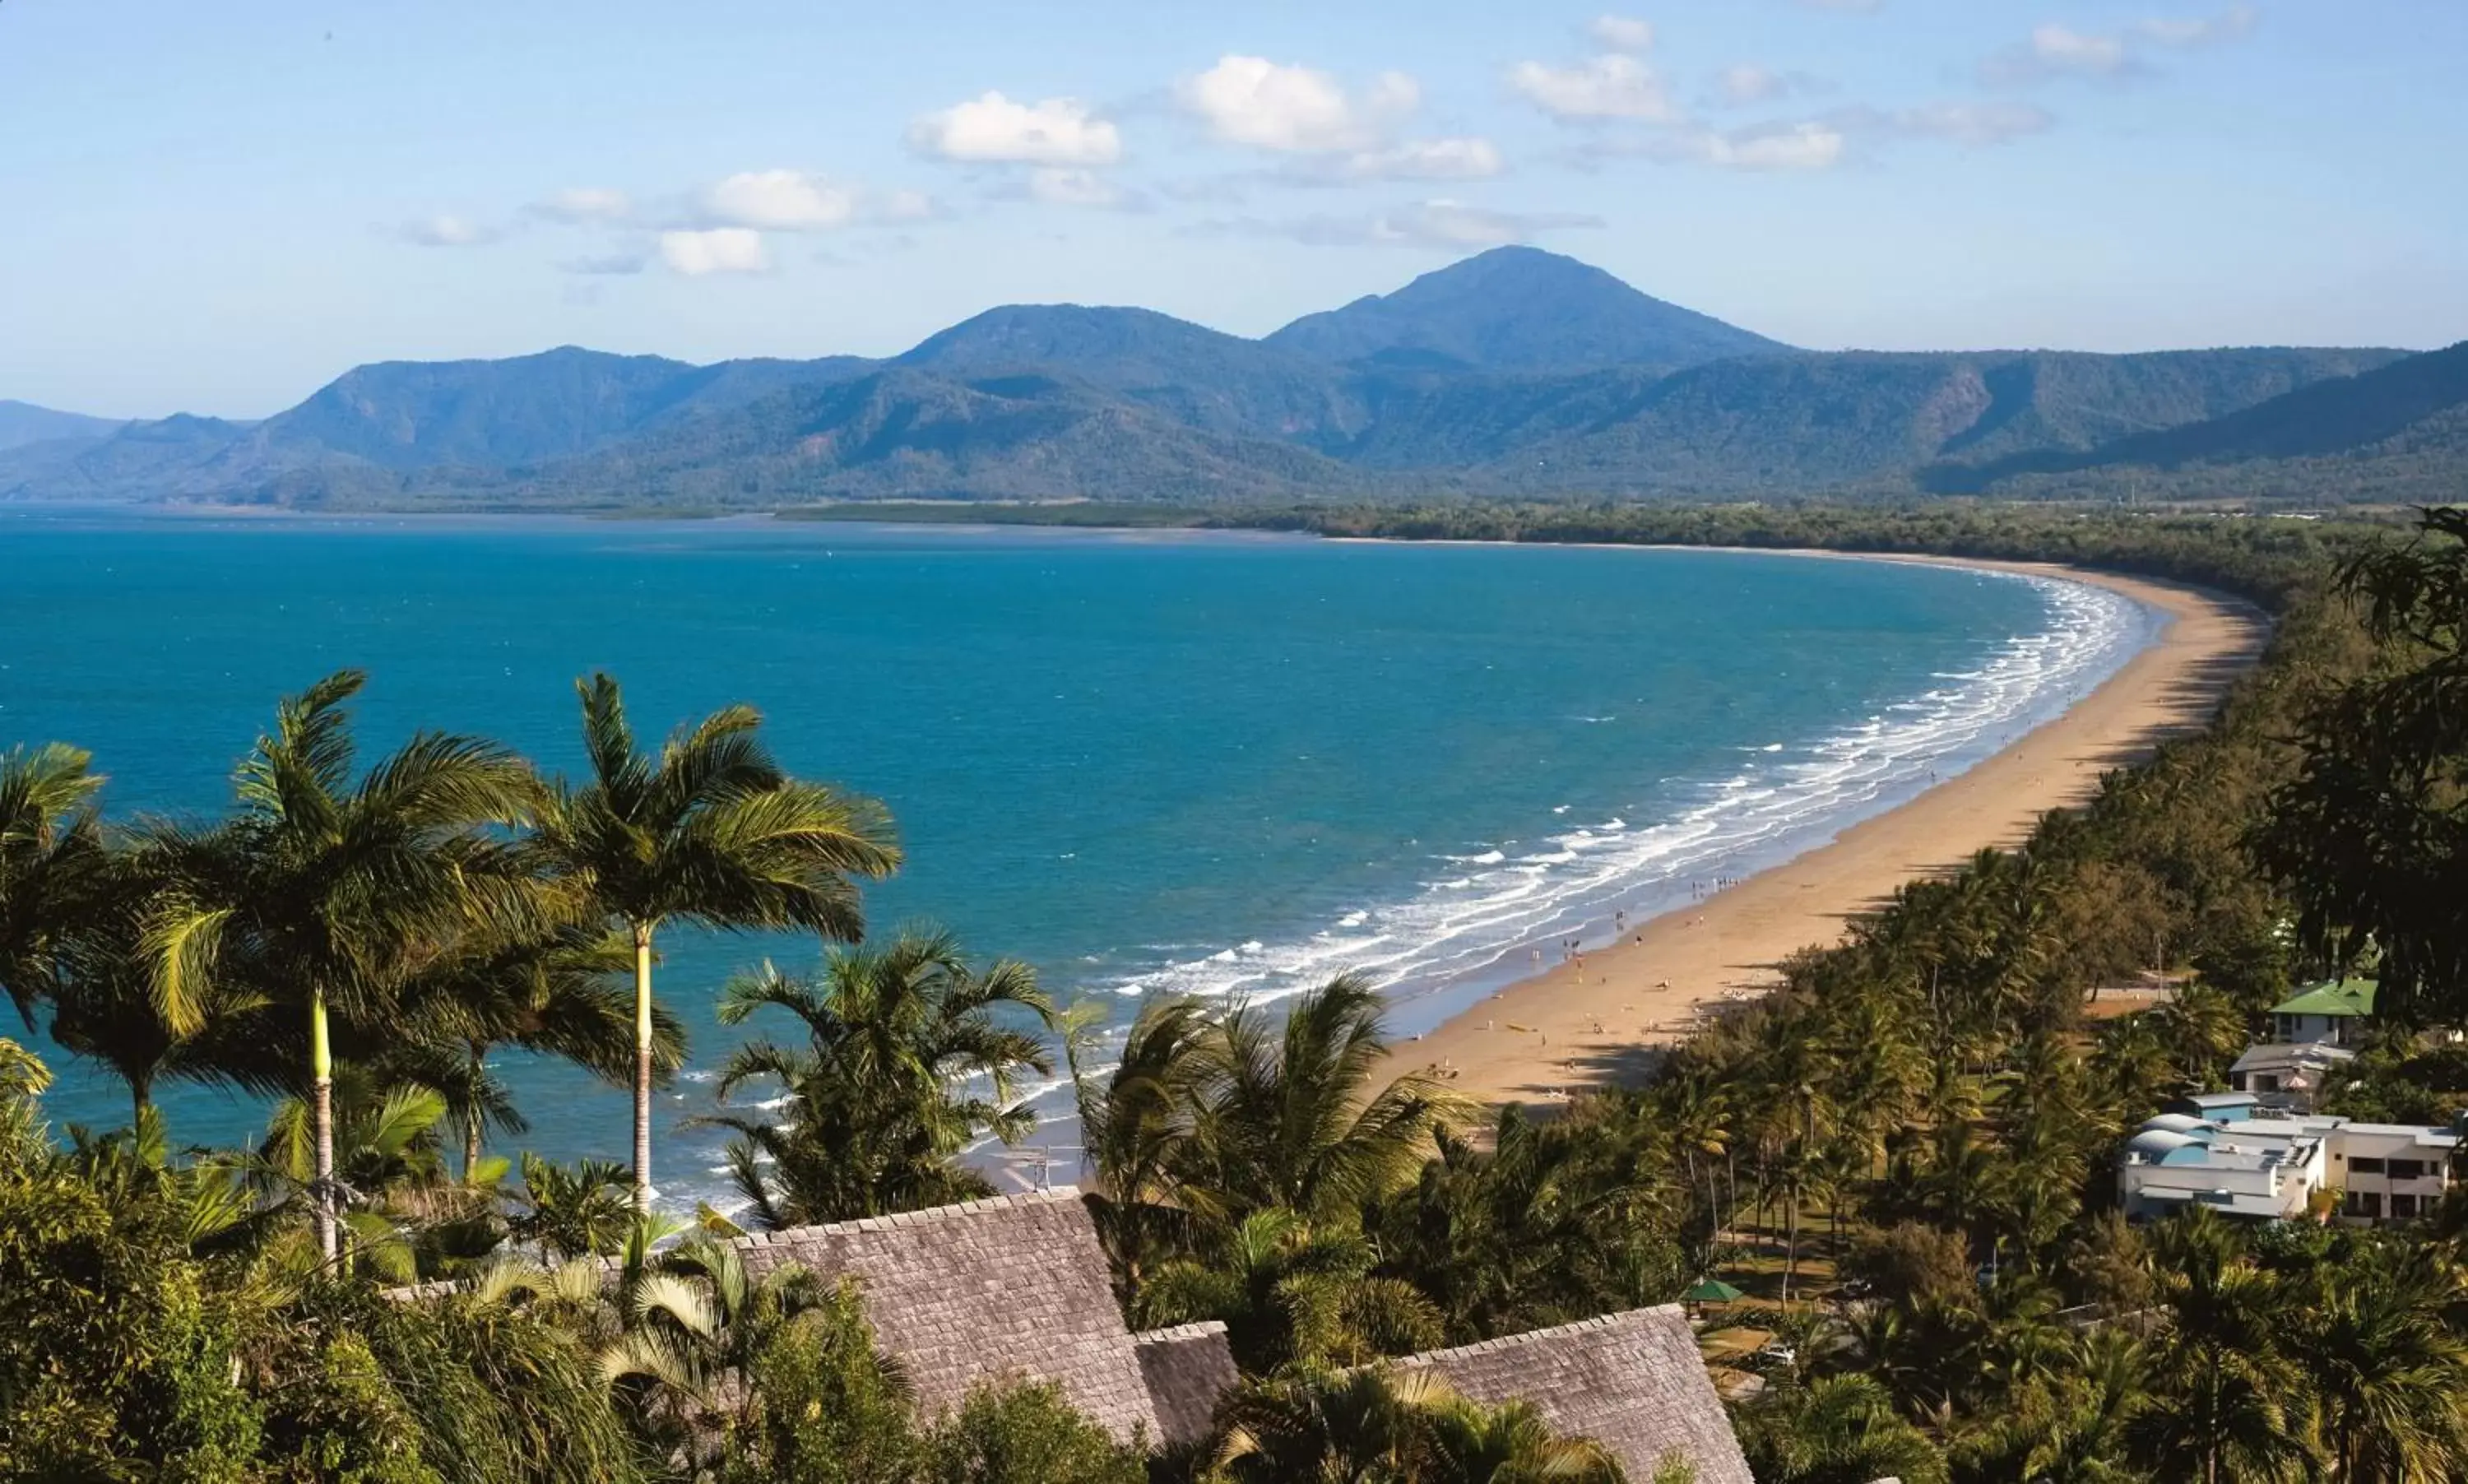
2285, 1076
2223, 1150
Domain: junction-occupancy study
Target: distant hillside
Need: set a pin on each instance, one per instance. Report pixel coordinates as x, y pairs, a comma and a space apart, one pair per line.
1857, 419
1512, 373
23, 423
2392, 421
1199, 377
903, 432
1518, 309
405, 415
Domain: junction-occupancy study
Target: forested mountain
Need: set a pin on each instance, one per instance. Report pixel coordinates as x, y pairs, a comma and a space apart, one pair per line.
1513, 373
23, 423
1518, 309
2389, 429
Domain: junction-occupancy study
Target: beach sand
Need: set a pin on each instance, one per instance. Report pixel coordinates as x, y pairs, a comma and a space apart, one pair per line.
1604, 1018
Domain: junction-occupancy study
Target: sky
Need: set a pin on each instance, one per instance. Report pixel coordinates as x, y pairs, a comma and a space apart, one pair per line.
216, 206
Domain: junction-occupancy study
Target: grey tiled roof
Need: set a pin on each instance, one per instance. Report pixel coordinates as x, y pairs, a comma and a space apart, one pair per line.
1631, 1381
1189, 1369
1006, 1289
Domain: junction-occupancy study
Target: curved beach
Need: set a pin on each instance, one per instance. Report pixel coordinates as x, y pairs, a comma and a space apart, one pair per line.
1604, 1018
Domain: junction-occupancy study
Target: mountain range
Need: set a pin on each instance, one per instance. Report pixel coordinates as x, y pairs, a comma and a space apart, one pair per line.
1514, 373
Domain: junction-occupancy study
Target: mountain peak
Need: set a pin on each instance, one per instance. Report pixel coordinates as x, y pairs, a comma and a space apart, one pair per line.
1516, 308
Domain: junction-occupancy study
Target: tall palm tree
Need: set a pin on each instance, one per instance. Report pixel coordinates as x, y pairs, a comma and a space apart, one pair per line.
909, 1059
551, 995
1838, 1429
1288, 1113
2385, 1369
105, 1005
50, 844
1287, 1292
324, 893
1137, 1130
710, 831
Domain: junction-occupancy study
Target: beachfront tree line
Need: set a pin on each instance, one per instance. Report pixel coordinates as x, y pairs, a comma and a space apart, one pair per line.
1904, 1152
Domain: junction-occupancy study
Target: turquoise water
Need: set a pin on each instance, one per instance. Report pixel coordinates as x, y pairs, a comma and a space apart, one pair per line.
1143, 762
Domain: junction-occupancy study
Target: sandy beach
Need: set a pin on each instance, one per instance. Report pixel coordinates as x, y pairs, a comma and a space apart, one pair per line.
1601, 1020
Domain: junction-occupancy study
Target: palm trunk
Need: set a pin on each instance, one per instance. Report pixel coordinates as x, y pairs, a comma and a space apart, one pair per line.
642, 1066
321, 1113
1791, 1241
473, 1118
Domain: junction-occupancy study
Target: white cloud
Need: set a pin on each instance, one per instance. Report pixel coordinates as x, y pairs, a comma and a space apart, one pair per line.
586, 203
908, 206
1293, 109
1450, 225
1610, 86
1620, 33
1808, 146
993, 130
1991, 122
2058, 51
718, 250
446, 231
1743, 85
1058, 187
1748, 85
782, 200
1412, 159
2231, 25
611, 265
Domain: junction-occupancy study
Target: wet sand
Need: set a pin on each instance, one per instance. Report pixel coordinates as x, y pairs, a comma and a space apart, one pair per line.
1605, 1018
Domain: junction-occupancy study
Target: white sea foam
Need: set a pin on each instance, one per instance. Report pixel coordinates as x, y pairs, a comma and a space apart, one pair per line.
1492, 906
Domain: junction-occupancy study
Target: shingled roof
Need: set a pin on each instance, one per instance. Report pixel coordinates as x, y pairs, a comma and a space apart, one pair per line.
1189, 1369
1632, 1381
1007, 1289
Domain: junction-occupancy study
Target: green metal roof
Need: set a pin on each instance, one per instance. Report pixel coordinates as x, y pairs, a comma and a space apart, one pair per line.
2335, 997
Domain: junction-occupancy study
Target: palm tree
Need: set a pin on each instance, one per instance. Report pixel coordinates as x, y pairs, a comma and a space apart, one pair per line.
2229, 1397
1289, 1291
1137, 1130
550, 995
710, 832
382, 1145
104, 1001
1840, 1429
2385, 1369
908, 1061
1377, 1425
571, 1213
322, 894
50, 844
1287, 1115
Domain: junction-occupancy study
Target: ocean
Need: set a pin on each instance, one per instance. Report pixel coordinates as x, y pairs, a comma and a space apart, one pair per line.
1145, 763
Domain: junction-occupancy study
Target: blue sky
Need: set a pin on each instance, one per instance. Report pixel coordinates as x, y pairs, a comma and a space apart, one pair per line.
218, 205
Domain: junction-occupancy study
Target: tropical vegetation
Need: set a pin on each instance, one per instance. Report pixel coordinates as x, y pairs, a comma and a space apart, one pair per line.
1904, 1154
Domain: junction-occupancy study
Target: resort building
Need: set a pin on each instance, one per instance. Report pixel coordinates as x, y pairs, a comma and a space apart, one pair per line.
2226, 1152
2288, 1076
2333, 1012
1017, 1288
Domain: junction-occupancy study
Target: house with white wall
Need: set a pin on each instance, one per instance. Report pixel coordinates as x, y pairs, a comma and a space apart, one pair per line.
2288, 1075
2226, 1152
2335, 1012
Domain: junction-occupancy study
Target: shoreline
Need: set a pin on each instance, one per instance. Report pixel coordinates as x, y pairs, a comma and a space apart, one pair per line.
1606, 1018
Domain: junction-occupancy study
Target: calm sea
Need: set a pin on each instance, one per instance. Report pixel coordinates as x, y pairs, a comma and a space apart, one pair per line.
1143, 762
